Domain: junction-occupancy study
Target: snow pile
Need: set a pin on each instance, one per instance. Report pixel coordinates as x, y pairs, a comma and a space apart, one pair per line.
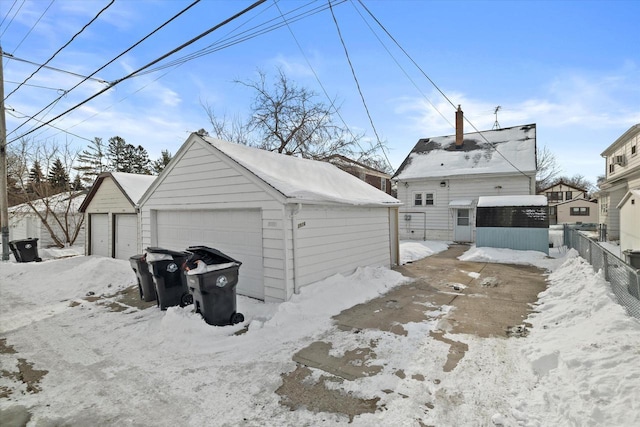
510, 256
411, 250
584, 349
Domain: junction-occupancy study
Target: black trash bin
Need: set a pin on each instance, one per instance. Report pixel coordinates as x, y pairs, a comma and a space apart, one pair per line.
168, 276
146, 287
212, 278
25, 250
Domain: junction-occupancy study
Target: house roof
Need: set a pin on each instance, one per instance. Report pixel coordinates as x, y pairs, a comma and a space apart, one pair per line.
561, 182
496, 201
303, 179
632, 130
57, 203
630, 193
581, 200
340, 160
508, 150
132, 185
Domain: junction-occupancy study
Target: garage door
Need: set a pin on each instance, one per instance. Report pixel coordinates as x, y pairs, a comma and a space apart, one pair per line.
126, 235
99, 234
237, 233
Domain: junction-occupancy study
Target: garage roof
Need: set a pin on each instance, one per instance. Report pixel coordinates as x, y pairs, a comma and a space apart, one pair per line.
303, 179
132, 185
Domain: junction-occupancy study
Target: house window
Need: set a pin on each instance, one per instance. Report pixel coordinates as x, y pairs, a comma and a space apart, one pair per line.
423, 199
579, 212
568, 195
554, 196
383, 184
633, 150
611, 168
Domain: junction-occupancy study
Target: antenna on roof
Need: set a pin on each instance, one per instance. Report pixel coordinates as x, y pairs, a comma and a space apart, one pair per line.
496, 125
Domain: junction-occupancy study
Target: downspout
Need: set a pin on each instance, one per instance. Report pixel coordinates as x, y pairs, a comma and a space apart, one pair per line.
294, 244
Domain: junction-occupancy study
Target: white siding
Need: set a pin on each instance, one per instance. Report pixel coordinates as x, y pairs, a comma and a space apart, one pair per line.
332, 240
630, 224
564, 212
613, 218
200, 180
439, 217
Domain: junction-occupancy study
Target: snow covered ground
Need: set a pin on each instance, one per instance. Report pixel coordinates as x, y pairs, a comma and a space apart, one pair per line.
579, 366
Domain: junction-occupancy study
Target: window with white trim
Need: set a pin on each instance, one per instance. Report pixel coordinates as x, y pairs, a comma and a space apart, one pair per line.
581, 211
424, 199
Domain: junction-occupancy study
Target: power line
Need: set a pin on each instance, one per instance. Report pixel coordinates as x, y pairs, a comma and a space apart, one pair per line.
64, 46
128, 76
55, 127
10, 56
104, 66
355, 77
61, 91
33, 26
12, 18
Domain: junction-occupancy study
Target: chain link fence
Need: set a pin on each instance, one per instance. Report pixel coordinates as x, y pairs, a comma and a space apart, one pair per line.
624, 279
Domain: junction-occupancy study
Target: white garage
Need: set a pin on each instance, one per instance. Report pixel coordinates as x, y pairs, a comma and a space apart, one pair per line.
110, 211
290, 221
237, 233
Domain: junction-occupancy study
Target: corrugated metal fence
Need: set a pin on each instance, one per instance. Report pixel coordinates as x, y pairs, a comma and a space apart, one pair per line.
624, 279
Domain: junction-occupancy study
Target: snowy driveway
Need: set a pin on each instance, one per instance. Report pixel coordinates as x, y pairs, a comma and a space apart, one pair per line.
69, 359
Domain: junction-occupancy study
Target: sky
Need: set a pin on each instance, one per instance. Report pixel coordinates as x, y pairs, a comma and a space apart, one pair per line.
94, 360
571, 67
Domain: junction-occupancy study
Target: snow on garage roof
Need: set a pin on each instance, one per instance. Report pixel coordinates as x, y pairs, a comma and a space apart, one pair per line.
303, 179
132, 184
509, 150
496, 201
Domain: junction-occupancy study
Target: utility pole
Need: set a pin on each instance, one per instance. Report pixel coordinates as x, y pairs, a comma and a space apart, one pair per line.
4, 199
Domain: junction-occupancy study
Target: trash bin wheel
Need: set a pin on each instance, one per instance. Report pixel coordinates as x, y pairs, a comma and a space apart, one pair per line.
186, 299
237, 318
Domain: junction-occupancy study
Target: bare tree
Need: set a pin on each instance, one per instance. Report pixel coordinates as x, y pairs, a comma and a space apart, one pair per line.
548, 169
578, 181
55, 206
289, 119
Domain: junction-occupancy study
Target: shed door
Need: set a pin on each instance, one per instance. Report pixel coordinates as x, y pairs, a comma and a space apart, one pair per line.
126, 235
237, 233
462, 225
99, 233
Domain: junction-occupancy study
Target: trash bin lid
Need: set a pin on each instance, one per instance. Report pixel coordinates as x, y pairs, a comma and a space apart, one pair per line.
209, 255
155, 250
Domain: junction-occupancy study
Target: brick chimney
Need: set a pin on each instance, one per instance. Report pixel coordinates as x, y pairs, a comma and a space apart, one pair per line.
459, 129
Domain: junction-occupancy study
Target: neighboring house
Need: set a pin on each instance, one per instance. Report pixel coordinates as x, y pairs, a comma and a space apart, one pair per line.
629, 208
561, 192
575, 211
25, 223
440, 181
622, 174
290, 221
111, 214
374, 177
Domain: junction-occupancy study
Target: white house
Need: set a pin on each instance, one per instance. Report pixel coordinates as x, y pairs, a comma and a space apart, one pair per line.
25, 220
622, 174
562, 193
442, 178
290, 221
111, 214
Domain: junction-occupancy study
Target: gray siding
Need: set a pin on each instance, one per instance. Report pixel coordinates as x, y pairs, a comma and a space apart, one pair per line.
522, 239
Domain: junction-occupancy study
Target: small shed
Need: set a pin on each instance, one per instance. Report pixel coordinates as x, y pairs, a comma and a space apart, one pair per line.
513, 222
290, 221
629, 208
111, 214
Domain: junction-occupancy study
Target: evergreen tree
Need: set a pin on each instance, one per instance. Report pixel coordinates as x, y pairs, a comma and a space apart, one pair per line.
162, 162
119, 155
140, 162
92, 161
58, 176
77, 184
36, 176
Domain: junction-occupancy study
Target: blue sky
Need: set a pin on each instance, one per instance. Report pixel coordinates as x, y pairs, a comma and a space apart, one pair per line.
571, 67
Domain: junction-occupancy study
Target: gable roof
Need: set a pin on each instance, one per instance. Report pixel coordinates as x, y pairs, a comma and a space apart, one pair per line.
509, 150
561, 182
302, 179
132, 185
344, 162
623, 138
631, 193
